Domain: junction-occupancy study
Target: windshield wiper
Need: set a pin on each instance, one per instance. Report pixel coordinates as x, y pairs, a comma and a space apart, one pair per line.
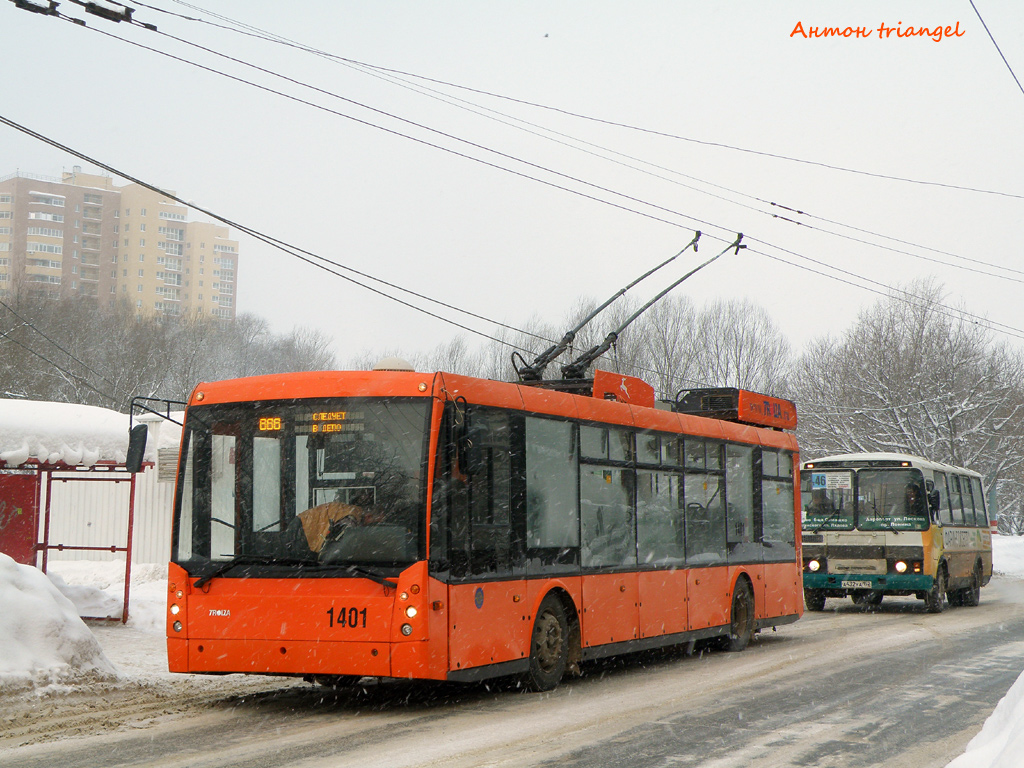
827, 520
251, 559
371, 575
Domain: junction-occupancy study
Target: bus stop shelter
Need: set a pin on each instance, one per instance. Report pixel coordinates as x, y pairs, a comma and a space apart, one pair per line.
44, 444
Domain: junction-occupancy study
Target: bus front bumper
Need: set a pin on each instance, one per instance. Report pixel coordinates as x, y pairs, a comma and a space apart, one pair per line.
907, 583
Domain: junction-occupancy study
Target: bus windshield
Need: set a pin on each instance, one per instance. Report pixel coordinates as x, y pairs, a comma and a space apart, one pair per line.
868, 499
326, 484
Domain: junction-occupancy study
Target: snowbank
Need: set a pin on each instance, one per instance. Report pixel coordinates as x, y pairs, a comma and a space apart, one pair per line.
43, 639
1001, 741
97, 590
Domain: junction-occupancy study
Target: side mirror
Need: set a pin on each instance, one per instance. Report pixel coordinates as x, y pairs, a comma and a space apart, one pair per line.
136, 447
933, 501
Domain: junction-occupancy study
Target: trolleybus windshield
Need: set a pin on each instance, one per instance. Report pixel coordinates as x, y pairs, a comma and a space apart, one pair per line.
326, 484
869, 499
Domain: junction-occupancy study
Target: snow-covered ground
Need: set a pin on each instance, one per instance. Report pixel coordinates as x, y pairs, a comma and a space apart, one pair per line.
46, 647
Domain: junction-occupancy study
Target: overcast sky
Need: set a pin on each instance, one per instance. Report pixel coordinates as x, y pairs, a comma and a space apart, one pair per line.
588, 205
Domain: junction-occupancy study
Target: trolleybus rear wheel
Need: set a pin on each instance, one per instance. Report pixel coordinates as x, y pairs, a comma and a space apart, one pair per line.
549, 646
741, 627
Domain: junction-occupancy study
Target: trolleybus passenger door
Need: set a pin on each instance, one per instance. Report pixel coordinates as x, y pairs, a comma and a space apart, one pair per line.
661, 552
611, 600
486, 620
778, 534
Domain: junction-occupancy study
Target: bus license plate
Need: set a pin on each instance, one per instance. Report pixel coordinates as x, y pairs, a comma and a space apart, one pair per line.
856, 585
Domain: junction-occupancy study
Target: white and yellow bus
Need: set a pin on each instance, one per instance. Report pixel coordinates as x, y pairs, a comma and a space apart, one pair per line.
877, 524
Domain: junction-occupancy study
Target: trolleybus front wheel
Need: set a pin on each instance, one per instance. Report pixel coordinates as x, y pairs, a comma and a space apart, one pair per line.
549, 646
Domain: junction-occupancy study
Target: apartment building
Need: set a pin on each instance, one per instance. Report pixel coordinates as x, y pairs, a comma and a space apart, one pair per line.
83, 236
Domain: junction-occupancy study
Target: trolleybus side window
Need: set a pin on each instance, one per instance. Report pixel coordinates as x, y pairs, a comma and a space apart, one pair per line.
659, 508
648, 448
184, 531
703, 493
490, 492
552, 505
779, 534
608, 535
739, 487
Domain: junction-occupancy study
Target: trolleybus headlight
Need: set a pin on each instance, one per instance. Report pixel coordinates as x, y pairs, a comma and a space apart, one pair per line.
411, 611
407, 629
177, 626
175, 610
813, 565
404, 596
901, 567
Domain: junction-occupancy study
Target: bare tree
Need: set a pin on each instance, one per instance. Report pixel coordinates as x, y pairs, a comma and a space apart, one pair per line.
913, 376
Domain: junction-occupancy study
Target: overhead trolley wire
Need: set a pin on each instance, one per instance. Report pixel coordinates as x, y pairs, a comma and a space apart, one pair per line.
309, 257
543, 181
360, 66
271, 37
312, 259
511, 157
998, 49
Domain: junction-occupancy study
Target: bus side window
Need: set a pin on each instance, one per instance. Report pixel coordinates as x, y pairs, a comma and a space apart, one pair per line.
980, 511
944, 515
969, 518
956, 500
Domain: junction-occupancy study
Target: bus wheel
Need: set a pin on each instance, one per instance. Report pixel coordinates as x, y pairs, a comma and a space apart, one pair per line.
814, 599
549, 646
971, 596
867, 597
741, 628
935, 598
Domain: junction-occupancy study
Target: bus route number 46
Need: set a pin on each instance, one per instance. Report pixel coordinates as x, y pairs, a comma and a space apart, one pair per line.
351, 618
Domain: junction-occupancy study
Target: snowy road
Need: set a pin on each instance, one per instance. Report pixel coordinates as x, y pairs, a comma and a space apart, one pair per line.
840, 688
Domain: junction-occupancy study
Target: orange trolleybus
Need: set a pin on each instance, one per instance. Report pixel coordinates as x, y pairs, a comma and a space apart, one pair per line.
396, 524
